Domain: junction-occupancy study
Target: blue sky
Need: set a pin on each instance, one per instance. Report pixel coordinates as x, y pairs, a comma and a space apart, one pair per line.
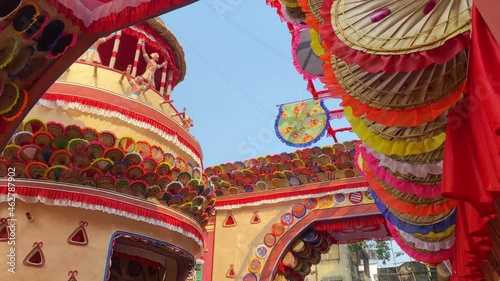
239, 67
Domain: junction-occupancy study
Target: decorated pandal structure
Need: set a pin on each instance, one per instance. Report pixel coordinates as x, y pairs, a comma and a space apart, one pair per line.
107, 178
417, 86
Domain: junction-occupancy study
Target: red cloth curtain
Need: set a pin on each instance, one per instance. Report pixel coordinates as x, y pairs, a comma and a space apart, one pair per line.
471, 169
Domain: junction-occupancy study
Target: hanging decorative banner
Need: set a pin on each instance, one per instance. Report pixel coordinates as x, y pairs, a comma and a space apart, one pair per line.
302, 124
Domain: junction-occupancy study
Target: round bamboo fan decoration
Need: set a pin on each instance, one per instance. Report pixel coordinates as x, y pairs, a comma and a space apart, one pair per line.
423, 221
410, 134
431, 157
402, 90
314, 7
387, 27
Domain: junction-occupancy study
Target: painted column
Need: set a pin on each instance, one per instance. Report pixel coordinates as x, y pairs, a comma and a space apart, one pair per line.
163, 81
169, 84
116, 46
136, 58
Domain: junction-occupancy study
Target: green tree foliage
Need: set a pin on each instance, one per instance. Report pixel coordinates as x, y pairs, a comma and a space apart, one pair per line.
382, 249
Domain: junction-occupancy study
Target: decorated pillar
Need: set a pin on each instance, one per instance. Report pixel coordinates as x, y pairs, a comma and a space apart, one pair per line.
169, 84
163, 80
112, 61
136, 58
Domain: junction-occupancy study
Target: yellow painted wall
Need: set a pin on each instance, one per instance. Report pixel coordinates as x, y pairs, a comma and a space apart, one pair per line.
237, 245
52, 225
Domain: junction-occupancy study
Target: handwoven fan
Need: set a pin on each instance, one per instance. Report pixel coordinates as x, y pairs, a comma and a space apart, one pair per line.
184, 177
133, 158
429, 179
134, 172
180, 163
163, 181
8, 48
95, 149
103, 164
174, 173
193, 183
55, 129
81, 160
60, 142
197, 173
170, 158
124, 190
90, 134
149, 164
150, 178
143, 148
339, 147
206, 192
50, 35
36, 170
138, 186
19, 168
90, 172
25, 17
114, 153
3, 168
174, 187
73, 132
42, 138
431, 157
18, 108
108, 138
423, 221
387, 27
157, 153
33, 69
20, 62
28, 152
106, 182
152, 191
127, 144
175, 200
209, 171
411, 198
64, 42
119, 168
190, 196
402, 90
163, 169
22, 138
122, 183
61, 157
77, 146
186, 206
88, 181
72, 173
190, 168
164, 197
349, 173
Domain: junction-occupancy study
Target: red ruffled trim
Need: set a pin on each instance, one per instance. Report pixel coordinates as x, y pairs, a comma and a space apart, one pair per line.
293, 193
95, 200
126, 17
346, 223
389, 63
133, 115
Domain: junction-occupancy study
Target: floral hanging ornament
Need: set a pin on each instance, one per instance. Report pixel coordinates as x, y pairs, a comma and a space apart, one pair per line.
79, 236
35, 257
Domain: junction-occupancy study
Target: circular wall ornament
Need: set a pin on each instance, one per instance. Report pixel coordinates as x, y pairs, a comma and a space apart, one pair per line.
255, 266
299, 210
261, 251
356, 197
278, 229
369, 195
339, 198
250, 277
287, 219
311, 203
269, 240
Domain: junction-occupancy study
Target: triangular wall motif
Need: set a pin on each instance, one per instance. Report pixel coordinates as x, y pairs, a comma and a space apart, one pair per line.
79, 236
231, 273
229, 221
35, 257
255, 218
72, 275
4, 231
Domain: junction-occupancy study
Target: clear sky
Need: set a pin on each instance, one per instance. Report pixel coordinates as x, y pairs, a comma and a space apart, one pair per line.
239, 67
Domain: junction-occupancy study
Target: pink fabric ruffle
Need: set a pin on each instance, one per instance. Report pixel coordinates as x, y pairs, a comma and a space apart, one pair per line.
425, 191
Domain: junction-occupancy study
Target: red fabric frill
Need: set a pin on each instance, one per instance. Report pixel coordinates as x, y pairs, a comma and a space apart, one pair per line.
471, 170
